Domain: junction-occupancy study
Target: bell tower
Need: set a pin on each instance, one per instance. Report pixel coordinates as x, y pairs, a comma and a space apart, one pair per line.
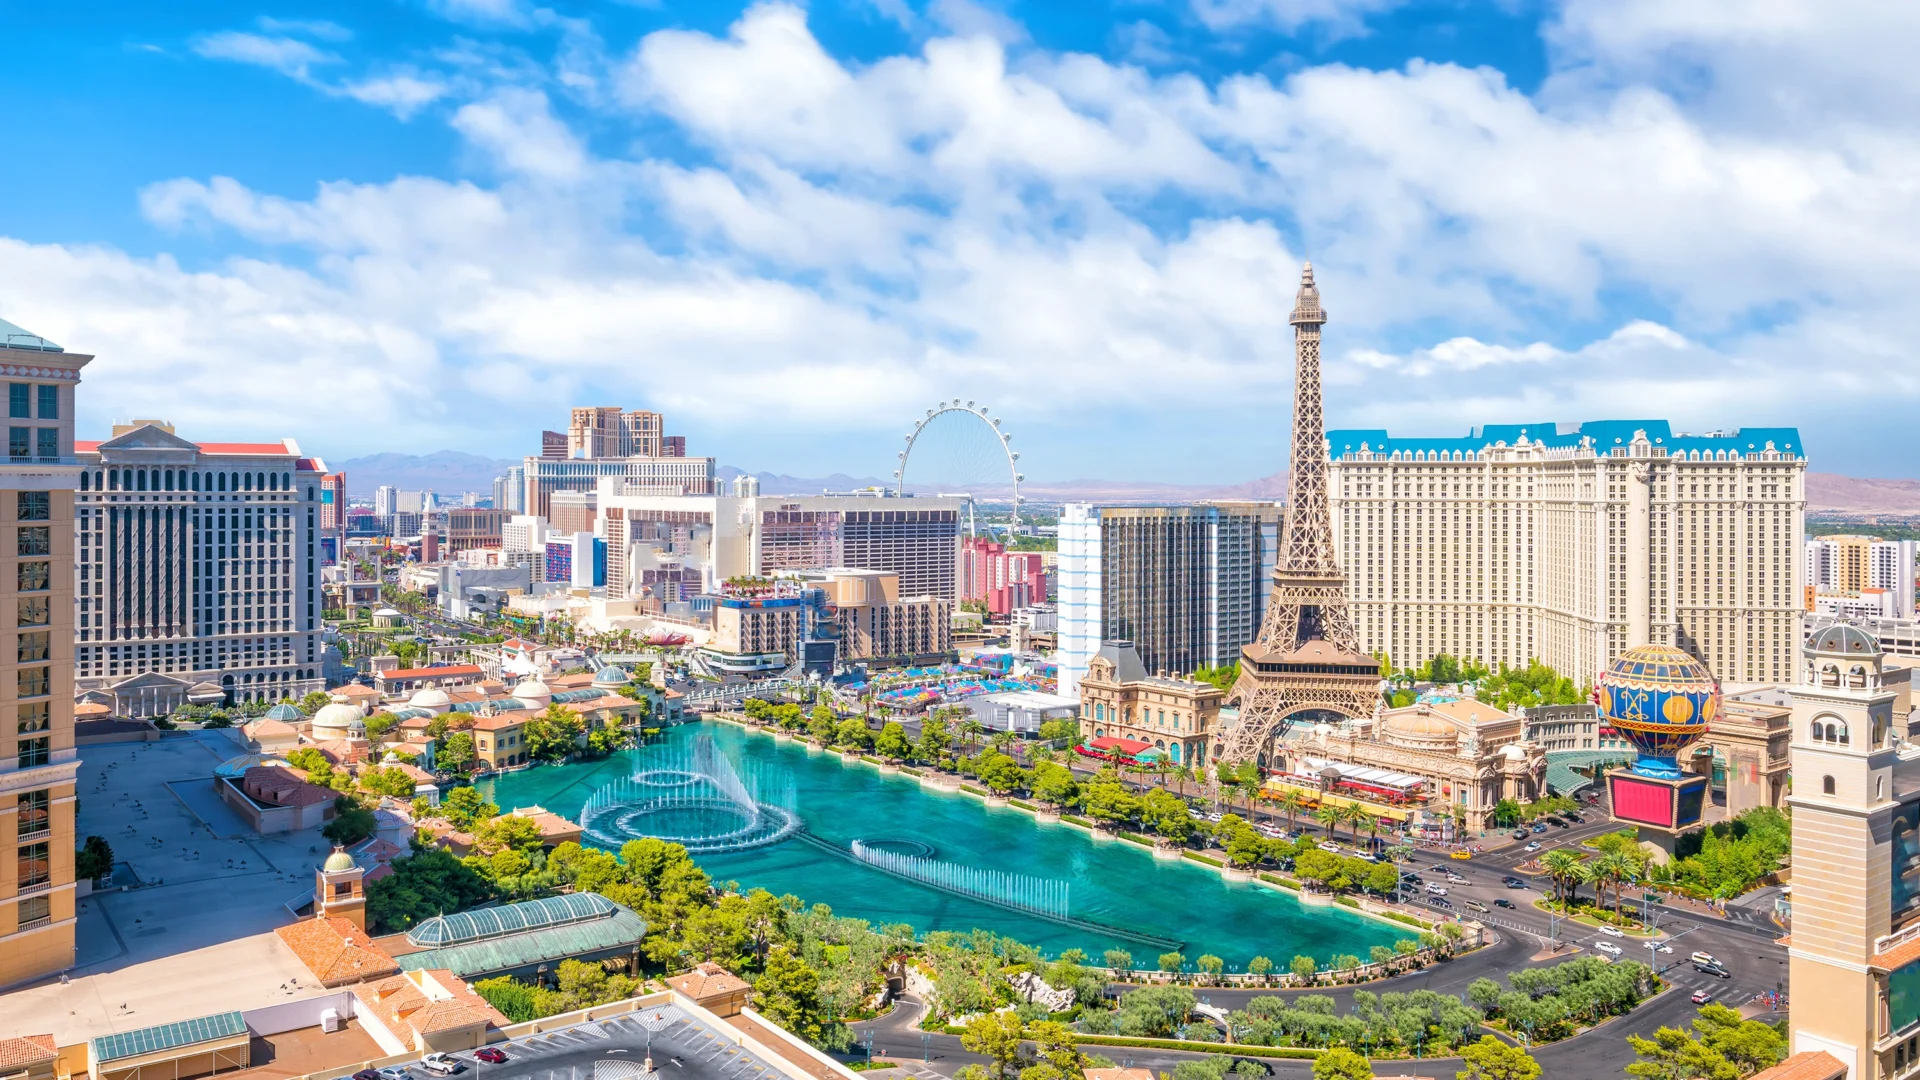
1854, 956
338, 892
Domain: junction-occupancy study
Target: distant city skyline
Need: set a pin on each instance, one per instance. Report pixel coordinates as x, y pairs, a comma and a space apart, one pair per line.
793, 229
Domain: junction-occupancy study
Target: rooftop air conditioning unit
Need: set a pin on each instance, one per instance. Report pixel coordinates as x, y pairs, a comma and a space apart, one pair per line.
330, 1020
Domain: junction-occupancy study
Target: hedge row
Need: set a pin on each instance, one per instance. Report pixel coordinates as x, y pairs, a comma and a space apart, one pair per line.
1199, 858
1295, 1052
1136, 838
1285, 883
1071, 820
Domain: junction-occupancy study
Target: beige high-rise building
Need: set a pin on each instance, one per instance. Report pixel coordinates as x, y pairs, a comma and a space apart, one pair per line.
1570, 546
1854, 950
38, 762
607, 431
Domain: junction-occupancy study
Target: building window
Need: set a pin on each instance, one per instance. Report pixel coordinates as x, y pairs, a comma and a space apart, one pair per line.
35, 911
33, 611
49, 403
49, 442
35, 716
34, 866
35, 814
30, 540
1826, 785
19, 395
34, 576
20, 442
34, 681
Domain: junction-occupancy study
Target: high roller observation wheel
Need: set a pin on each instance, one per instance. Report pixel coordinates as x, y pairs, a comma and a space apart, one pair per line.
981, 413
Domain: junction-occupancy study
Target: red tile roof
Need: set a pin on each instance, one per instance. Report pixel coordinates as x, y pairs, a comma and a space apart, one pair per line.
22, 1051
243, 448
707, 980
427, 1001
283, 787
1806, 1065
1897, 957
336, 951
430, 672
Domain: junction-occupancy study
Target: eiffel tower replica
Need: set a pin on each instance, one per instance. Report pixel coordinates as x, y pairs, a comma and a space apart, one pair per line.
1307, 657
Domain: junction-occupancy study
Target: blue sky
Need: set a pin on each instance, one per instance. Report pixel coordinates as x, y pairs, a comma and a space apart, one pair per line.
423, 224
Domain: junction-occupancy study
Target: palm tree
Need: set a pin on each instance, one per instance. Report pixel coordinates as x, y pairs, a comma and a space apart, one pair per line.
1370, 822
1329, 818
1291, 803
1612, 869
1559, 864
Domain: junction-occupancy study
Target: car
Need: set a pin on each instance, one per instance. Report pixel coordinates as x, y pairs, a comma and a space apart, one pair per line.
395, 1072
492, 1055
1505, 903
1438, 902
1612, 931
1534, 846
1512, 882
1703, 958
1662, 947
1607, 947
1714, 970
1366, 856
1539, 827
1520, 834
1457, 879
1436, 890
366, 1074
1576, 818
1476, 905
441, 1064
1213, 817
1463, 853
1701, 997
1328, 845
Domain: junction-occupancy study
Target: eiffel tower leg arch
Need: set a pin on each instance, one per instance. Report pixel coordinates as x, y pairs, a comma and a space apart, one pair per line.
1267, 709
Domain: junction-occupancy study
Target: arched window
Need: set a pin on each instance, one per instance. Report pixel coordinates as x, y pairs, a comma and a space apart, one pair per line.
222, 478
1879, 788
86, 479
169, 479
141, 480
1826, 785
196, 481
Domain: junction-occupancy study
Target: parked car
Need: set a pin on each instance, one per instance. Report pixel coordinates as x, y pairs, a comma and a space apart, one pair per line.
441, 1064
1505, 903
1612, 931
1714, 970
366, 1074
1539, 827
1607, 947
1534, 846
1701, 997
1434, 889
492, 1055
395, 1072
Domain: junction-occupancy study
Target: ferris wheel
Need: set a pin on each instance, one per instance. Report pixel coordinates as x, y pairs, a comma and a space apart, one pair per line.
957, 448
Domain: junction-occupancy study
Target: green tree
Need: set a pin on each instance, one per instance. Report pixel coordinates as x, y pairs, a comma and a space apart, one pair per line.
94, 859
852, 732
508, 832
515, 999
313, 701
608, 738
1054, 784
1260, 966
1721, 1046
1340, 1063
1303, 966
936, 740
1172, 961
1108, 802
1491, 1059
1118, 959
788, 993
351, 823
391, 782
892, 742
428, 882
456, 752
379, 725
1166, 814
1383, 878
822, 727
996, 1036
463, 806
554, 733
1210, 965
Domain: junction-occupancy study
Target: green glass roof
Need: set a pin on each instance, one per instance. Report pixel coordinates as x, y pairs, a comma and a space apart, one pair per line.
13, 337
507, 919
128, 1044
622, 929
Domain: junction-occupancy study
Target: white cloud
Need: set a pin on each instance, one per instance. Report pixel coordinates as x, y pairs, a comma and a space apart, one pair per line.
1339, 16
518, 129
288, 56
313, 28
512, 13
401, 94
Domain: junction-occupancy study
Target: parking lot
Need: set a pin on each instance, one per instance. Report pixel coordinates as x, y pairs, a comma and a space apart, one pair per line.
614, 1049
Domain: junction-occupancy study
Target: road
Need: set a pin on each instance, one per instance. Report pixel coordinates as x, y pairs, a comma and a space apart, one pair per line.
1744, 943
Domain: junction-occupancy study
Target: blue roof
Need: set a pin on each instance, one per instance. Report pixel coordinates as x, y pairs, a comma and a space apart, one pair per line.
13, 337
512, 919
126, 1044
1602, 435
284, 711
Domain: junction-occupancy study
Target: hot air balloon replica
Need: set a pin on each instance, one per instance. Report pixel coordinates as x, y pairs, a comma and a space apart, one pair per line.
1661, 700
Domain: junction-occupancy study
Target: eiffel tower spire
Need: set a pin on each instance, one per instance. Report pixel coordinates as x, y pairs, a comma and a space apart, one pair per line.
1307, 656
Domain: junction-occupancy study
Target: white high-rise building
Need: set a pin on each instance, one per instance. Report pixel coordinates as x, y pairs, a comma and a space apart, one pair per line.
386, 499
1571, 545
199, 570
1878, 575
1077, 588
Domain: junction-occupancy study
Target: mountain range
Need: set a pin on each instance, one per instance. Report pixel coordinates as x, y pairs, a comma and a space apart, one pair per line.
451, 472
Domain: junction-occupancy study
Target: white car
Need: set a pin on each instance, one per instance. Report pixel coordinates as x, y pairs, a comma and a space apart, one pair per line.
1607, 947
440, 1064
396, 1072
1534, 846
1458, 880
1664, 949
1612, 931
1328, 845
1436, 890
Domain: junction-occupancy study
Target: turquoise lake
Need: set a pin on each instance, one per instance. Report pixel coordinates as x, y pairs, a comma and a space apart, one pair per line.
1111, 883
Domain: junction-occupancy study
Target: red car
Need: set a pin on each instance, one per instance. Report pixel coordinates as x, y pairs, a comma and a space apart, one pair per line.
490, 1055
1701, 997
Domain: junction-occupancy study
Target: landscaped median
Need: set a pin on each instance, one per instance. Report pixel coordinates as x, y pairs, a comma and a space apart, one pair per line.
1296, 1052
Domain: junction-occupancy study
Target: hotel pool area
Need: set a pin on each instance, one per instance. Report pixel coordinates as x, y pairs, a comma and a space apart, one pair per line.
946, 861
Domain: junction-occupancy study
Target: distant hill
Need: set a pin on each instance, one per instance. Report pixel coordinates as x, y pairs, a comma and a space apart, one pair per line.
447, 472
1833, 493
